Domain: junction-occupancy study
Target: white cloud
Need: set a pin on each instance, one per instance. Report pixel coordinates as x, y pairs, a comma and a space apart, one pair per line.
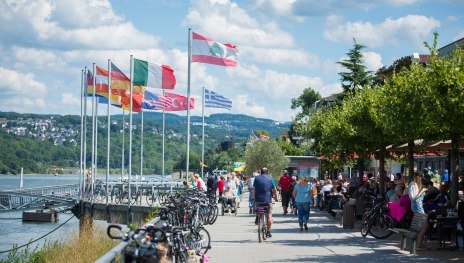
225, 20
20, 83
70, 99
276, 56
282, 8
372, 61
414, 28
63, 24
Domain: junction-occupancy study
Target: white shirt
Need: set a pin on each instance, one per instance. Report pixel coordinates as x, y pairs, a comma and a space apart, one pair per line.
413, 190
326, 188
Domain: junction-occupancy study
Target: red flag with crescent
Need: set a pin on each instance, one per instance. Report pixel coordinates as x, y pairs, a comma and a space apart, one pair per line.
178, 102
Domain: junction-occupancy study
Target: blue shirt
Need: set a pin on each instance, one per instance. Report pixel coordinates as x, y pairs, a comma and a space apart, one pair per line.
445, 177
303, 193
263, 189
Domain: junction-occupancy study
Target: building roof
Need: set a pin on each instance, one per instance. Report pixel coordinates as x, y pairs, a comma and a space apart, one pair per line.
451, 47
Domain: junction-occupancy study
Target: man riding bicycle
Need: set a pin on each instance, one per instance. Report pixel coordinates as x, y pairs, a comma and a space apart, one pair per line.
264, 189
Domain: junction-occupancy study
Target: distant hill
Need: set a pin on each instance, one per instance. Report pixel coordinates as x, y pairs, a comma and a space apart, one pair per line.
43, 141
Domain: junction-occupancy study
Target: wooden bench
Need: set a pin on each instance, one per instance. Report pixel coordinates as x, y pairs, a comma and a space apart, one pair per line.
417, 225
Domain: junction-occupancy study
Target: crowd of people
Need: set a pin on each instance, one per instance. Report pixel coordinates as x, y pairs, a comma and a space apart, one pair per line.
428, 192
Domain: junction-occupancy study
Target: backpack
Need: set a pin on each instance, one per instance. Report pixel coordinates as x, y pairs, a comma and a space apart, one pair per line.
211, 183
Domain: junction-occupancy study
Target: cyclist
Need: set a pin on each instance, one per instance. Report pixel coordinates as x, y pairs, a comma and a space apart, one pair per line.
264, 190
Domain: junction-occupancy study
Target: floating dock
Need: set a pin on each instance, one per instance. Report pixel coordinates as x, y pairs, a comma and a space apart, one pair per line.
40, 216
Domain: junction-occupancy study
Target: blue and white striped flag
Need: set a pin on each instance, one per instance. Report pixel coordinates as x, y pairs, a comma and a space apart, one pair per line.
214, 100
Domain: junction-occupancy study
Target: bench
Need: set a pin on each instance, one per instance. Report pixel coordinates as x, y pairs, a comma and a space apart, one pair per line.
417, 225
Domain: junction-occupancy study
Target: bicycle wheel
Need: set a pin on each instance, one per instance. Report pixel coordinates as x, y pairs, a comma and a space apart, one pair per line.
214, 214
259, 228
379, 226
180, 257
364, 229
264, 228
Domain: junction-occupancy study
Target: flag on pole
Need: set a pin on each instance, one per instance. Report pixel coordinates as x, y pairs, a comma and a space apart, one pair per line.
215, 100
207, 50
153, 75
178, 102
115, 100
136, 102
101, 82
152, 101
120, 84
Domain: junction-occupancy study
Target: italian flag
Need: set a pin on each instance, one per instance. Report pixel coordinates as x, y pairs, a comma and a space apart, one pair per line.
153, 75
207, 50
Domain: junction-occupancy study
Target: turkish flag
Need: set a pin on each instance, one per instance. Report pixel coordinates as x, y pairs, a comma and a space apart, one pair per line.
178, 102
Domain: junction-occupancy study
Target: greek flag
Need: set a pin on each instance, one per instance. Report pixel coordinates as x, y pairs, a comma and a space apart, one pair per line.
214, 100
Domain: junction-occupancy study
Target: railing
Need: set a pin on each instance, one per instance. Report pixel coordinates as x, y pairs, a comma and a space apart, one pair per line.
111, 255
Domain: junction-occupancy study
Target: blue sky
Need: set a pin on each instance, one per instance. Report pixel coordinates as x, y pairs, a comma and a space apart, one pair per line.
285, 45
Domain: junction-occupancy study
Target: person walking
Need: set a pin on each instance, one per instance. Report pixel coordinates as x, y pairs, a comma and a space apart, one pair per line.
302, 194
285, 183
251, 201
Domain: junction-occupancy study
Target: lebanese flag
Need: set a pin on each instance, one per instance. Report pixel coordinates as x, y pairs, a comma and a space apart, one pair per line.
153, 75
178, 102
207, 50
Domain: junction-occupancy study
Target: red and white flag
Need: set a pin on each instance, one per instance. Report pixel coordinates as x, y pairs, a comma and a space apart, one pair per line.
178, 102
207, 50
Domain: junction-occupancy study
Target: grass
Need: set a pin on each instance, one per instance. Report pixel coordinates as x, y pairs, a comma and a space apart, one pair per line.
87, 246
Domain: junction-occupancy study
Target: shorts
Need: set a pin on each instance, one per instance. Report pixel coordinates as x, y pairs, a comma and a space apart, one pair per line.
266, 204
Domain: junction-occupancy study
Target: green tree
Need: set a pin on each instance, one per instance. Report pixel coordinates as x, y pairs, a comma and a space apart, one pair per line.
356, 77
445, 75
305, 101
265, 153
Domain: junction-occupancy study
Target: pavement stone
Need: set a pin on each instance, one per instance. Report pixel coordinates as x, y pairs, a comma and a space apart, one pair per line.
235, 239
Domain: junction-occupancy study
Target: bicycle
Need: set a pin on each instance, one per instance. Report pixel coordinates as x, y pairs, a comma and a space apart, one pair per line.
262, 212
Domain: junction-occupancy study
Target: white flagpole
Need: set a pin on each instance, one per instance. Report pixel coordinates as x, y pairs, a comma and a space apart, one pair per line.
96, 141
130, 137
188, 102
162, 163
81, 172
203, 133
122, 148
141, 147
85, 135
93, 136
108, 137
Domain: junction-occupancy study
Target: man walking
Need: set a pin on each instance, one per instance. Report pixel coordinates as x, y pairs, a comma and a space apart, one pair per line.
285, 183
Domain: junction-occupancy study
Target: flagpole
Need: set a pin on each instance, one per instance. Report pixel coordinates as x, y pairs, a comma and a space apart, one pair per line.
81, 172
188, 102
122, 148
93, 136
162, 163
96, 142
141, 153
108, 132
85, 134
130, 140
203, 133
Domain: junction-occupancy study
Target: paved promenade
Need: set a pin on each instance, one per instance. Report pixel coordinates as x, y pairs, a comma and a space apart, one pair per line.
235, 240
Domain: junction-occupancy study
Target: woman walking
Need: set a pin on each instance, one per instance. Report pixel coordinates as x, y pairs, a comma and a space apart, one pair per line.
302, 195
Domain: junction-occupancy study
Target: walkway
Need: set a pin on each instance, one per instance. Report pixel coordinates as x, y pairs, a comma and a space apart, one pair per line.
235, 239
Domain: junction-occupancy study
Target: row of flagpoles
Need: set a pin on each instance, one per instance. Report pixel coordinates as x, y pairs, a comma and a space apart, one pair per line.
114, 88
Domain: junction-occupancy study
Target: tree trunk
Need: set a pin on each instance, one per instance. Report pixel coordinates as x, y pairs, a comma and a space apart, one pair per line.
454, 169
411, 159
382, 169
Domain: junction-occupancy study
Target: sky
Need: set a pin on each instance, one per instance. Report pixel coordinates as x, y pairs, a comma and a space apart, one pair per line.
285, 46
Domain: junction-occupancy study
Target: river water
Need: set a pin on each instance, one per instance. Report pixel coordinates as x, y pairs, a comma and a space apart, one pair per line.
13, 231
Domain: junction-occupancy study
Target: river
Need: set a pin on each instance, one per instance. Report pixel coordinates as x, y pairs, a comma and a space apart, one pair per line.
13, 231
